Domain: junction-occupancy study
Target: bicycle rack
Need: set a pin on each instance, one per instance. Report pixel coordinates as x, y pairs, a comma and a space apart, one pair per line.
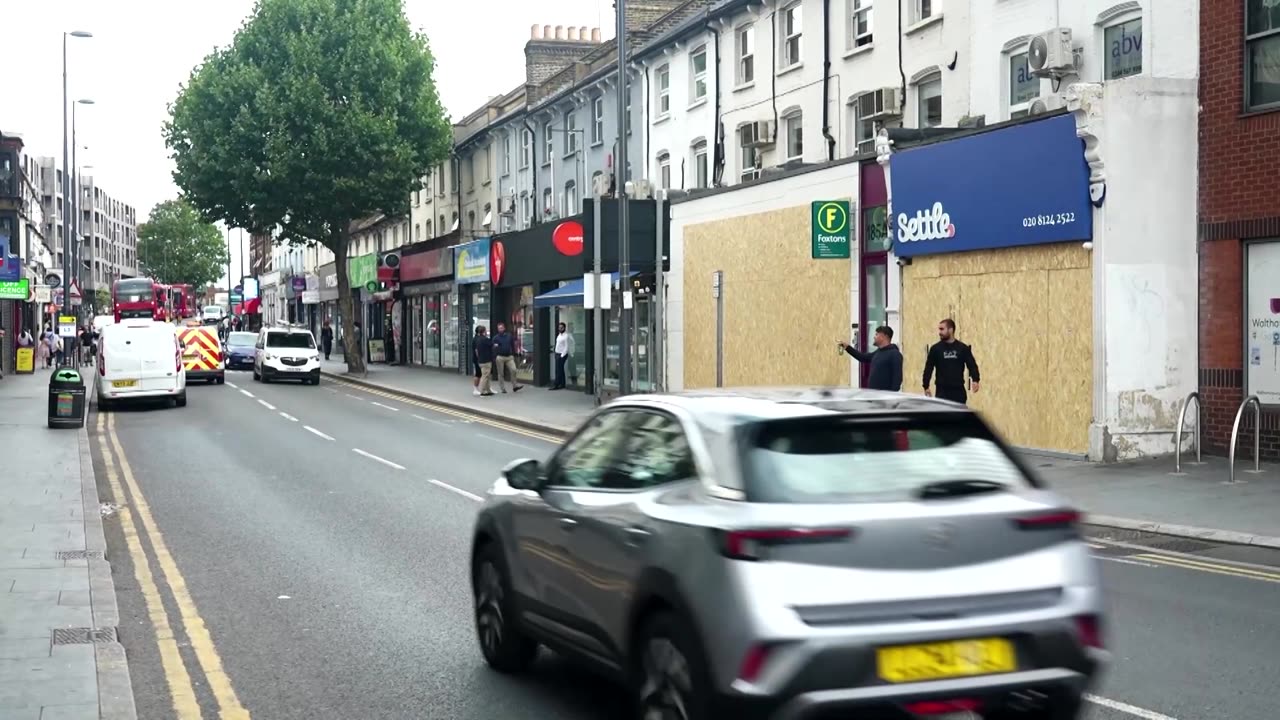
1257, 436
1177, 442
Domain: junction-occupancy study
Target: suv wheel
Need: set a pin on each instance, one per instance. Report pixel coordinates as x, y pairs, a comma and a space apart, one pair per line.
670, 672
504, 647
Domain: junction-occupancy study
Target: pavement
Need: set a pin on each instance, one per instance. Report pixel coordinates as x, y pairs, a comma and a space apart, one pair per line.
59, 656
1145, 495
308, 551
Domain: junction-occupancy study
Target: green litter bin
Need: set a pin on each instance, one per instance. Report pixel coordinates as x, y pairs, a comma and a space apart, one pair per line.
66, 399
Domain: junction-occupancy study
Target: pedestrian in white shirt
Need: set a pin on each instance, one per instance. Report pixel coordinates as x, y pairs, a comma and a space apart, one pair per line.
564, 351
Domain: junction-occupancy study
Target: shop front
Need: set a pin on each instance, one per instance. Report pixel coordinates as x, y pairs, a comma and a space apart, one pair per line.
528, 268
1006, 254
431, 301
328, 309
311, 303
362, 272
471, 267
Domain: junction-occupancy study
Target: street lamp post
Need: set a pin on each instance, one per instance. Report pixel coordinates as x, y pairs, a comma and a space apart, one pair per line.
66, 182
75, 201
620, 188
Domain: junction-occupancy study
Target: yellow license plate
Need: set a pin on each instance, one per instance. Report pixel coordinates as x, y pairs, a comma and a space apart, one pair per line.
959, 658
124, 383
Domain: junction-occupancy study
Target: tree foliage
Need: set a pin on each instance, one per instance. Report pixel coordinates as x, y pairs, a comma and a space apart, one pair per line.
177, 245
319, 113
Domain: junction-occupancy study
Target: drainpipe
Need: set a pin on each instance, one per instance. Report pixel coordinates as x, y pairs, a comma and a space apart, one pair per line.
717, 128
773, 71
826, 80
902, 95
647, 147
533, 165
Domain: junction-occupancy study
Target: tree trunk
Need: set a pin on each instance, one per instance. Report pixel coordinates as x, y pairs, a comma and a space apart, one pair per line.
352, 349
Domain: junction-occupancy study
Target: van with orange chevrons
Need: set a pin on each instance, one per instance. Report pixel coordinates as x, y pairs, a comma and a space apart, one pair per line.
202, 353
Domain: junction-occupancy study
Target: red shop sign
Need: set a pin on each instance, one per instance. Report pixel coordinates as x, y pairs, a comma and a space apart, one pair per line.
567, 237
426, 265
497, 261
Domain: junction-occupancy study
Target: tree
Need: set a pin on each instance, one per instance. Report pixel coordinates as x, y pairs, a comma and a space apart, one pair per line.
319, 113
177, 245
101, 300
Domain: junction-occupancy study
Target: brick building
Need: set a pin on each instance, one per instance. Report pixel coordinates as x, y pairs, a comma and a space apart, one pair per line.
1239, 219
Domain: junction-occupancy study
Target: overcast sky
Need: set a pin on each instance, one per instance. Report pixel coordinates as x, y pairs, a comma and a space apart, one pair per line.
142, 50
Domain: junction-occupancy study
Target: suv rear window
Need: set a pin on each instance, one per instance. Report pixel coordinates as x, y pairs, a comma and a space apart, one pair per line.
290, 340
830, 460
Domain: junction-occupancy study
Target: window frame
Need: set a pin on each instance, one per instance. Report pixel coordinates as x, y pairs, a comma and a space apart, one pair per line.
664, 170
928, 81
793, 13
744, 51
662, 98
747, 172
797, 117
865, 9
701, 165
922, 10
506, 154
570, 133
858, 122
597, 119
1118, 23
697, 78
1252, 40
526, 148
548, 142
571, 200
1018, 109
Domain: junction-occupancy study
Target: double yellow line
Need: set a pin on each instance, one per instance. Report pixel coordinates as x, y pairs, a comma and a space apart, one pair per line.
446, 410
1208, 567
181, 689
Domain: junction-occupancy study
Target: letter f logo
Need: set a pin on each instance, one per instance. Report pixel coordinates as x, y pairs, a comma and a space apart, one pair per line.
830, 220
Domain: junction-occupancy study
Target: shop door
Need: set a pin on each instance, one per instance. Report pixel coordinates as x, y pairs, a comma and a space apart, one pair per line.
642, 368
875, 306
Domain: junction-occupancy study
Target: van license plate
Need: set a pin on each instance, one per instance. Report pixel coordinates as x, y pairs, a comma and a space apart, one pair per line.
124, 383
960, 658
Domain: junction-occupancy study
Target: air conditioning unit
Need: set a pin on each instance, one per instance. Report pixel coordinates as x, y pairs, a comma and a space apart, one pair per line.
879, 104
389, 260
641, 190
756, 134
1051, 54
602, 185
1041, 106
508, 208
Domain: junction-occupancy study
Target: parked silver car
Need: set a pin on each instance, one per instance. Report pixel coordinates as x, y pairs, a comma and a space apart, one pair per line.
793, 553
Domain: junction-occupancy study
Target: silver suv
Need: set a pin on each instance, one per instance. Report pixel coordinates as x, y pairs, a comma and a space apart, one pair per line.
793, 554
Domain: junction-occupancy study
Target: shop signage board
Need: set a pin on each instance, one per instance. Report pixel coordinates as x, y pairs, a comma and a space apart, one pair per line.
15, 289
471, 262
362, 270
830, 229
497, 261
567, 238
426, 265
67, 326
1262, 321
960, 195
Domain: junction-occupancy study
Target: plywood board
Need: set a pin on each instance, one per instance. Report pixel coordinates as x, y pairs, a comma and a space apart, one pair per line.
783, 311
1027, 312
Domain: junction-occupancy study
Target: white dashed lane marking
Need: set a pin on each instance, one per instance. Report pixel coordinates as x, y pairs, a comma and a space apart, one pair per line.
266, 405
288, 417
459, 491
387, 407
317, 433
382, 460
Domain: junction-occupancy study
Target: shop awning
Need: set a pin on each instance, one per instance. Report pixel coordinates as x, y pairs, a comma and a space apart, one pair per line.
251, 306
569, 294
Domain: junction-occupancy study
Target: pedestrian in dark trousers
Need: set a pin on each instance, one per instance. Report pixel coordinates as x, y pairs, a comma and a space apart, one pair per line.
950, 358
563, 351
482, 347
326, 339
885, 360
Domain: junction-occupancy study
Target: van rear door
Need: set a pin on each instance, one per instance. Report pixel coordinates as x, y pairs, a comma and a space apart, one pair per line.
146, 355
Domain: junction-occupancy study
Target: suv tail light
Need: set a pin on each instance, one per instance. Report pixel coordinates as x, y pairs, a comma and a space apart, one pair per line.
753, 544
753, 663
947, 708
1052, 520
1089, 628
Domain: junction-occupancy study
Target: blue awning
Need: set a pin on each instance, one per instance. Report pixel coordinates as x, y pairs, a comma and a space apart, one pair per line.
569, 294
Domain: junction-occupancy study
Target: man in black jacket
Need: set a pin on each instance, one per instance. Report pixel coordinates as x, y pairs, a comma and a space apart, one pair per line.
886, 361
950, 358
482, 353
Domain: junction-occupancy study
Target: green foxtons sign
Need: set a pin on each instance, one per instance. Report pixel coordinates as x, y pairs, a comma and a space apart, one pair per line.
831, 229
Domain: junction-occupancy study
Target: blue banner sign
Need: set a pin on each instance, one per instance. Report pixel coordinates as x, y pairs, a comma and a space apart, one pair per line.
1027, 184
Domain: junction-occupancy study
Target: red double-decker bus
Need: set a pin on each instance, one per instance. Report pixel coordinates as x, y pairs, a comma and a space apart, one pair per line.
137, 298
182, 301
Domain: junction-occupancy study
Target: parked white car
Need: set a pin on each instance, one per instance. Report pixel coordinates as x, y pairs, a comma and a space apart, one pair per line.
212, 314
140, 360
286, 353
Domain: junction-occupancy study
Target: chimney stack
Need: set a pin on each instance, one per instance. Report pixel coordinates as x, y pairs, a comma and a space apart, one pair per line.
535, 32
595, 35
573, 33
559, 32
548, 33
584, 34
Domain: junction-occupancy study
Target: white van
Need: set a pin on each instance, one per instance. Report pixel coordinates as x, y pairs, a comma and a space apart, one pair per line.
140, 359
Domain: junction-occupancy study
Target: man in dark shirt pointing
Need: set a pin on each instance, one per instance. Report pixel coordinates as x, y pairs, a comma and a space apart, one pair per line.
950, 358
885, 360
